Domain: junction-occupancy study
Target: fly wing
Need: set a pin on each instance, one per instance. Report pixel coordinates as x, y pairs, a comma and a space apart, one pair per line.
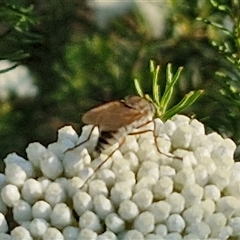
111, 116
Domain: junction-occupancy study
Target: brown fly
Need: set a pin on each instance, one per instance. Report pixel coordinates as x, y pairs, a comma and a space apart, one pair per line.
117, 119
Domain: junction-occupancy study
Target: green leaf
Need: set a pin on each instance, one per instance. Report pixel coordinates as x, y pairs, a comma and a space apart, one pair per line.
221, 7
161, 102
138, 88
171, 81
187, 101
156, 87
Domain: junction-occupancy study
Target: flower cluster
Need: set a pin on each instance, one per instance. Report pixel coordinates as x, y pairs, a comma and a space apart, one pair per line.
186, 188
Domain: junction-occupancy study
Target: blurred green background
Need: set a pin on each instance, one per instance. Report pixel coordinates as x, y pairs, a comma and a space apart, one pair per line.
83, 53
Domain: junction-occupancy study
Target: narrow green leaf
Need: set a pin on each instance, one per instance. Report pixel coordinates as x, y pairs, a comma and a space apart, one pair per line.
169, 75
138, 88
187, 100
156, 87
217, 25
152, 66
221, 7
169, 89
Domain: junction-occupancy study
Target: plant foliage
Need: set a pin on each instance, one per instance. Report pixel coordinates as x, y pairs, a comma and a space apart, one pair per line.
162, 101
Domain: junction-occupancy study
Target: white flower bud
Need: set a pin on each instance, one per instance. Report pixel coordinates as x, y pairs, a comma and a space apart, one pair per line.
34, 153
164, 144
59, 148
4, 236
32, 190
130, 144
184, 177
121, 191
215, 139
132, 159
227, 205
97, 187
3, 206
201, 175
86, 173
10, 194
120, 165
128, 177
169, 127
175, 223
160, 211
191, 236
163, 188
133, 235
20, 233
145, 182
102, 206
175, 236
224, 232
107, 236
108, 176
200, 229
208, 207
161, 230
152, 236
22, 211
38, 227
67, 133
55, 194
182, 137
128, 210
52, 233
176, 202
3, 224
26, 166
212, 192
85, 134
50, 166
193, 214
215, 222
222, 155
73, 162
61, 216
220, 178
114, 223
167, 171
233, 189
70, 232
91, 221
15, 174
73, 185
197, 126
2, 180
234, 223
193, 194
86, 234
41, 209
143, 199
45, 182
138, 192
82, 202
203, 147
148, 168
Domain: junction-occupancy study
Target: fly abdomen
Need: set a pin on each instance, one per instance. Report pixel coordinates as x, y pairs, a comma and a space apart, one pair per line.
107, 139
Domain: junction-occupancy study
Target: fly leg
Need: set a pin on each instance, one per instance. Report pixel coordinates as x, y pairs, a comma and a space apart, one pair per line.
154, 136
103, 162
79, 144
